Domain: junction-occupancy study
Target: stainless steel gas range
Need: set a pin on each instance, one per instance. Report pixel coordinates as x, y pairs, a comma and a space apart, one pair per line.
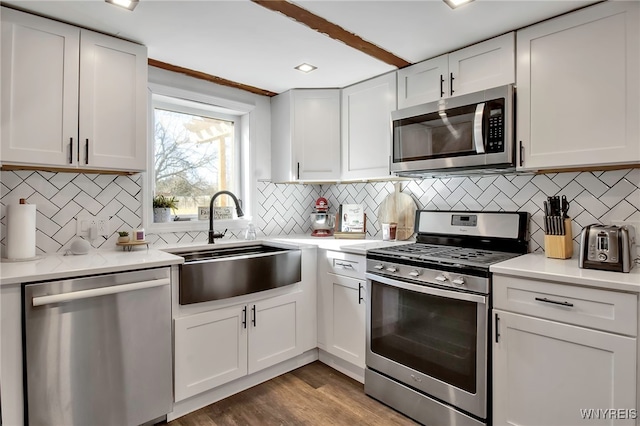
428, 307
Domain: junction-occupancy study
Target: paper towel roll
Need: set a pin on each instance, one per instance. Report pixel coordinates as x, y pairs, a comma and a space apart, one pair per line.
21, 231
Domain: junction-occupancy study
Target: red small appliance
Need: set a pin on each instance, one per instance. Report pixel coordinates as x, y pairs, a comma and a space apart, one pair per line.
322, 222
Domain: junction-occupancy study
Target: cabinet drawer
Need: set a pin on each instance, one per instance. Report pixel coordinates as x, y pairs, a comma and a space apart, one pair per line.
588, 307
347, 264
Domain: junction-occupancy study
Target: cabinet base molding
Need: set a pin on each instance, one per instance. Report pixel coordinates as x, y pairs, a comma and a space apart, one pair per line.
601, 168
10, 167
214, 395
346, 368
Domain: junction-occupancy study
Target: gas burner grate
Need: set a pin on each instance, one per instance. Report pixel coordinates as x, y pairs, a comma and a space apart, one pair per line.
484, 257
443, 254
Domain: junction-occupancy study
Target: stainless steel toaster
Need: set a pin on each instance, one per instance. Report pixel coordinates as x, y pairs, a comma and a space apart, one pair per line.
607, 247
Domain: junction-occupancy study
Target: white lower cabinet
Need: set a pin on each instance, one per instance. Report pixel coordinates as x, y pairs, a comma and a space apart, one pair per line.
215, 347
347, 319
342, 308
547, 372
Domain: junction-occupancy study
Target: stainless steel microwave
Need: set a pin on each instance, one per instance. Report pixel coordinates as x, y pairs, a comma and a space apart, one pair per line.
467, 133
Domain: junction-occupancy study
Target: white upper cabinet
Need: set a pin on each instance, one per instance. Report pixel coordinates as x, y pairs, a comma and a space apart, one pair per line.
87, 111
40, 69
305, 135
366, 127
423, 82
113, 102
578, 89
474, 68
483, 66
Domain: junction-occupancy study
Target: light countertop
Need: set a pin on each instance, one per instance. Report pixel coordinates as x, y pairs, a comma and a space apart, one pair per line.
60, 266
355, 246
538, 266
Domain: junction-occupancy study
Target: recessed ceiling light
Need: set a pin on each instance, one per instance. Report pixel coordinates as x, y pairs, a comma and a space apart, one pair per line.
127, 4
306, 68
455, 3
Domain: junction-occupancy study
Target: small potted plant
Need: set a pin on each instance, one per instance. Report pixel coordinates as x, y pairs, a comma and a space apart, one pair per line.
162, 207
123, 237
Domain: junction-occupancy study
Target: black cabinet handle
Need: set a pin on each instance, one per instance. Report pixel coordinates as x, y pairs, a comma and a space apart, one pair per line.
554, 302
360, 298
451, 84
86, 147
441, 85
298, 170
253, 311
521, 153
78, 152
244, 317
70, 150
497, 324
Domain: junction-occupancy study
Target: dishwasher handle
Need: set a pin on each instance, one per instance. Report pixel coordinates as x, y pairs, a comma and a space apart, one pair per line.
101, 291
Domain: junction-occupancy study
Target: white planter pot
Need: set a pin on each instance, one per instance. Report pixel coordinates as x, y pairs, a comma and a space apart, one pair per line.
162, 214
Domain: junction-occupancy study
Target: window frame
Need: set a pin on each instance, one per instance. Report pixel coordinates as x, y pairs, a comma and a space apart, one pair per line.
233, 111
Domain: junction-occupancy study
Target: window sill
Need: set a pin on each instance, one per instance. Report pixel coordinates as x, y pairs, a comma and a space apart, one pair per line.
197, 225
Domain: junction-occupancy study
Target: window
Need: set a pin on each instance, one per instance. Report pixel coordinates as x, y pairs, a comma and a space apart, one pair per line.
195, 153
194, 157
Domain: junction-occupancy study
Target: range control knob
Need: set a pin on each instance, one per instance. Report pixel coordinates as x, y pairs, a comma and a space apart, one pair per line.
392, 269
602, 257
458, 281
379, 266
441, 278
414, 273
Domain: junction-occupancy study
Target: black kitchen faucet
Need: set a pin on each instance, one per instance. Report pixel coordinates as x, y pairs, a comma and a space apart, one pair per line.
213, 235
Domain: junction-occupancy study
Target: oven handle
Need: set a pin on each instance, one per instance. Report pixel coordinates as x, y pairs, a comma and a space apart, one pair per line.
478, 140
457, 295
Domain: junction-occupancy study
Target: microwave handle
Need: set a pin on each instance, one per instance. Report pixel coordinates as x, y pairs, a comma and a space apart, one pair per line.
478, 140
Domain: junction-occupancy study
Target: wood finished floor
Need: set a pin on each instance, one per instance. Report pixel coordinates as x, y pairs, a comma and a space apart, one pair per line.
311, 395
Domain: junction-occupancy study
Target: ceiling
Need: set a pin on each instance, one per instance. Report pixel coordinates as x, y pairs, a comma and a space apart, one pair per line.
244, 42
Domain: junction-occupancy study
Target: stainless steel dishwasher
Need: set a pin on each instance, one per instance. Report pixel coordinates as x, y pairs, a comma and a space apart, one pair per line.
97, 350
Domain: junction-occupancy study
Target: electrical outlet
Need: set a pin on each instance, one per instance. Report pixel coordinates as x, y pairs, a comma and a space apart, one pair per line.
86, 223
103, 227
635, 224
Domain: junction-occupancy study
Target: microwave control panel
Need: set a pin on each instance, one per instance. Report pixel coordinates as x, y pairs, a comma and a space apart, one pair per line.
495, 134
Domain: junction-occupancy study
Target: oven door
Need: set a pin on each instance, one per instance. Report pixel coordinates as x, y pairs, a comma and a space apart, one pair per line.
431, 339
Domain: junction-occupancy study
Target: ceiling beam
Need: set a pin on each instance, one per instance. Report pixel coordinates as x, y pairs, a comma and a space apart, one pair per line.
209, 77
334, 31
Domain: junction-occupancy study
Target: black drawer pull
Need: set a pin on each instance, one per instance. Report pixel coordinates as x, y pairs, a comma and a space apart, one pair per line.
253, 311
244, 317
554, 302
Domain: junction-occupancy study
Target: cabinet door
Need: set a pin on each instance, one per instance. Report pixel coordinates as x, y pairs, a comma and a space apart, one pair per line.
273, 331
366, 127
316, 134
546, 373
210, 350
347, 336
113, 103
482, 66
423, 82
39, 90
578, 88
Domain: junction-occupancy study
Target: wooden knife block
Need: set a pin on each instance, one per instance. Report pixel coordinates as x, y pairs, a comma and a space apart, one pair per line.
559, 246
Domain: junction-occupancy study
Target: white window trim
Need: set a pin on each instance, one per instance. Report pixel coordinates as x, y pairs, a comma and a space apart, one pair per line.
147, 187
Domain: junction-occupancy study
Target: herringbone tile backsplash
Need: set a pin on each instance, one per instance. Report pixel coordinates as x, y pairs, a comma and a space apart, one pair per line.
285, 209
